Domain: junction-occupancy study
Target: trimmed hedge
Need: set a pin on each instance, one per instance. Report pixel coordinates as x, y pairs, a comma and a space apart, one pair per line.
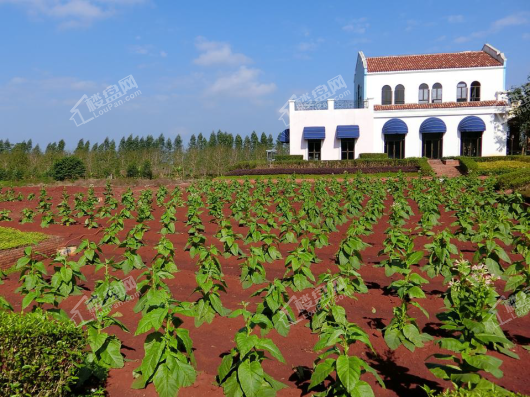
470, 164
288, 157
294, 166
39, 356
322, 171
514, 180
373, 155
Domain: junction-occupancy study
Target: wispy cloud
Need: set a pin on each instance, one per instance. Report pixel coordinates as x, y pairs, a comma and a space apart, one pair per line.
358, 26
73, 13
243, 83
218, 53
522, 18
455, 18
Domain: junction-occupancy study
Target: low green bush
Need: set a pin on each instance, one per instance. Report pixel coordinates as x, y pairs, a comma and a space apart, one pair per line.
500, 167
38, 355
468, 165
373, 156
68, 168
289, 157
514, 180
477, 393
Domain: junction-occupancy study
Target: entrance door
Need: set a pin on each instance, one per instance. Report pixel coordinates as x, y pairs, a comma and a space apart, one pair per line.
432, 146
471, 144
395, 146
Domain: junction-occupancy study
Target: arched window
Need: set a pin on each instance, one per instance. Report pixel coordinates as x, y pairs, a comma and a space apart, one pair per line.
475, 91
386, 97
437, 93
399, 95
423, 94
461, 92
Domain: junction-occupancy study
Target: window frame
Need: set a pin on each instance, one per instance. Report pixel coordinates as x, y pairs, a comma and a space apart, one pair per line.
399, 90
392, 140
474, 89
461, 92
347, 153
424, 88
386, 95
314, 154
437, 93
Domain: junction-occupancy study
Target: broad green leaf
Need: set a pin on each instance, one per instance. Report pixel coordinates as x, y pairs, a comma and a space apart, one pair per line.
321, 372
348, 372
250, 375
165, 380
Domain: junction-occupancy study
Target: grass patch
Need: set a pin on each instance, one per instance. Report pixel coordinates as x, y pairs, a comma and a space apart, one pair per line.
14, 238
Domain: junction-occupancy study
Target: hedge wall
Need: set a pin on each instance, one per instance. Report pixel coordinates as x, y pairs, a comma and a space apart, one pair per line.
39, 356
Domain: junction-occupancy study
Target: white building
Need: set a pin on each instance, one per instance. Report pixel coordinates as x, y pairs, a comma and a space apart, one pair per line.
410, 106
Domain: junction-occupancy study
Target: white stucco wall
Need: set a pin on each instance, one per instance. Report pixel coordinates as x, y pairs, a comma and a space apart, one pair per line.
491, 80
330, 119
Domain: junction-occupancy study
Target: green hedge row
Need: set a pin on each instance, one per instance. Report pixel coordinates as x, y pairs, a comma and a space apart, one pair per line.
289, 157
373, 155
514, 180
39, 356
470, 164
425, 168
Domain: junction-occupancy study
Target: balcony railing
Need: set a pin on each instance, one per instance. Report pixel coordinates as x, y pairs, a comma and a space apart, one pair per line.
344, 104
311, 105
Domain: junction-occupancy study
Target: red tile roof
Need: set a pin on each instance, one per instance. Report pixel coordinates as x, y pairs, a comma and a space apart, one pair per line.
467, 59
441, 105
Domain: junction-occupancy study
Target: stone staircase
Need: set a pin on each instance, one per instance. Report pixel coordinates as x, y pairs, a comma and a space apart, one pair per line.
448, 170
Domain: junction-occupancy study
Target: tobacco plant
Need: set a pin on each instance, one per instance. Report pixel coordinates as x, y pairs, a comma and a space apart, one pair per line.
241, 372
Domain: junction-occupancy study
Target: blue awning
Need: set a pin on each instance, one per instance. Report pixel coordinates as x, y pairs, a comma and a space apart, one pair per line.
472, 124
433, 125
395, 126
284, 136
314, 132
347, 131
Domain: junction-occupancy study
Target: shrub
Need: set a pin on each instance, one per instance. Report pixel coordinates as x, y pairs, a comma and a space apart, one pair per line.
500, 167
468, 165
132, 171
13, 238
373, 156
476, 393
289, 157
146, 171
514, 180
39, 356
68, 168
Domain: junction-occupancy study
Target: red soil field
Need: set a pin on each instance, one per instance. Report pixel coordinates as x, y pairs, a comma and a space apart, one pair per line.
402, 371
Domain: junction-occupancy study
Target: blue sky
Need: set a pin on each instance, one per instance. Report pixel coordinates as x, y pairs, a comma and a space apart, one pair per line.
204, 66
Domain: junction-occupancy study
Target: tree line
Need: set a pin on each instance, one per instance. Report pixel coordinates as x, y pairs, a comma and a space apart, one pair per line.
136, 156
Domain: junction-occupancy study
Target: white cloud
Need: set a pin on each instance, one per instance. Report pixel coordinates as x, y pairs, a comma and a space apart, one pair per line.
522, 18
218, 53
455, 19
163, 54
243, 83
526, 36
358, 26
73, 13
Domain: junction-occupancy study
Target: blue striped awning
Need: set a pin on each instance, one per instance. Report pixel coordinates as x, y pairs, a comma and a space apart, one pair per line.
472, 124
395, 126
285, 136
433, 125
314, 132
347, 131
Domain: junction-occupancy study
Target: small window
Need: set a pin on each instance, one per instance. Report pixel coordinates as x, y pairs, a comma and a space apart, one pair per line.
359, 97
475, 91
437, 93
314, 149
399, 95
347, 148
461, 92
423, 94
386, 95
